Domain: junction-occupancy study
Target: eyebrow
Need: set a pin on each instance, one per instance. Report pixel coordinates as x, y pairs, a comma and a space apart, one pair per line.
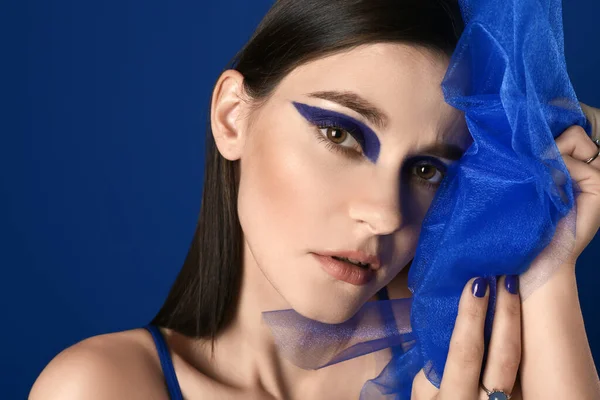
380, 119
357, 103
444, 150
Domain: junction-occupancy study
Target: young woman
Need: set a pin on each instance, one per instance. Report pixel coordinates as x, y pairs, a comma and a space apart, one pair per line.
327, 142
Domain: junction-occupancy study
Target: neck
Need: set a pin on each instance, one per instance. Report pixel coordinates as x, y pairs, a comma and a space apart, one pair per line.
247, 345
247, 358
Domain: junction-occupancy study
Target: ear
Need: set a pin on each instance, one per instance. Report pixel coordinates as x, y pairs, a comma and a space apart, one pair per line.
228, 127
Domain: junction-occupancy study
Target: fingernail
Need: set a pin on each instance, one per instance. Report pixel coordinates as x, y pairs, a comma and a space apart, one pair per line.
512, 283
479, 287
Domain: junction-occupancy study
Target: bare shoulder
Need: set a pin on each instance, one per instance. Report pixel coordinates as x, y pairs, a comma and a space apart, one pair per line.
122, 365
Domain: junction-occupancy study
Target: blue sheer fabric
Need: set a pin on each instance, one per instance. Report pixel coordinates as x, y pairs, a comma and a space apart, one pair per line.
498, 207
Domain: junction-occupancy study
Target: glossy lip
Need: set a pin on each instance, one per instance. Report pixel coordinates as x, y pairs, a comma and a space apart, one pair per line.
344, 271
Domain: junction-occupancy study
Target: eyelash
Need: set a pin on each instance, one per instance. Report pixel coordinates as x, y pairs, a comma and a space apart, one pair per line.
347, 151
428, 161
350, 152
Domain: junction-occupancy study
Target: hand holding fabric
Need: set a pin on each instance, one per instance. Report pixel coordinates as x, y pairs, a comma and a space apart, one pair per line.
575, 147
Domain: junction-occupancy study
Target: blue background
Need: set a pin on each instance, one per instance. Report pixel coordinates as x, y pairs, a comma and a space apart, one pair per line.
102, 126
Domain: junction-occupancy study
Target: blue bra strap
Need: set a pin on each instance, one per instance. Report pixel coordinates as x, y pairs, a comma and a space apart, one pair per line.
165, 362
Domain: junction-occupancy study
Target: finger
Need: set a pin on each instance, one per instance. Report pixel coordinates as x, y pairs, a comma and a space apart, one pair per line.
422, 389
504, 351
576, 143
593, 115
588, 180
587, 177
463, 366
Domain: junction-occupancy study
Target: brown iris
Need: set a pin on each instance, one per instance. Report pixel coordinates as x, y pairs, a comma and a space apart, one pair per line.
336, 135
426, 171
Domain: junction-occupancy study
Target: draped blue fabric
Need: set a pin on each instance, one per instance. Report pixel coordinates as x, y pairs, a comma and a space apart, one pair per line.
496, 210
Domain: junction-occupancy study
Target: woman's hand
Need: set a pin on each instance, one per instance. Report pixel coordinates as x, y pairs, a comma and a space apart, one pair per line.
556, 358
461, 379
576, 147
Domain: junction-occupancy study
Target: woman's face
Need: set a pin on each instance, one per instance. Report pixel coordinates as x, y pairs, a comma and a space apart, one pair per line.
345, 156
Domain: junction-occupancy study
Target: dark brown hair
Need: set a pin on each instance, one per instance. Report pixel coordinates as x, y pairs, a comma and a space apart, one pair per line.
204, 297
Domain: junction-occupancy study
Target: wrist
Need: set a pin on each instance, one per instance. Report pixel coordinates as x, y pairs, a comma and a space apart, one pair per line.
556, 357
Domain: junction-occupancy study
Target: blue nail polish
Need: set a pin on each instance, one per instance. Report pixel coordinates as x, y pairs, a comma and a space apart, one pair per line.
480, 287
512, 284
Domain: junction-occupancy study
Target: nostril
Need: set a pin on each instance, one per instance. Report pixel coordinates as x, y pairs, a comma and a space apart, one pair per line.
380, 214
381, 223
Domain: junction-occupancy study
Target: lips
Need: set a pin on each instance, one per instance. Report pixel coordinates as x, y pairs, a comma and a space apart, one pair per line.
334, 264
372, 260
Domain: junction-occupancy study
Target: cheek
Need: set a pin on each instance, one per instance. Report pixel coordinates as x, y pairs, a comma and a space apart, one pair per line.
415, 203
281, 187
397, 250
401, 247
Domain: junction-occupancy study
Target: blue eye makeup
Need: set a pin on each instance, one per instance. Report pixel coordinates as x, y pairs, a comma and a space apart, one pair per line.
323, 118
424, 171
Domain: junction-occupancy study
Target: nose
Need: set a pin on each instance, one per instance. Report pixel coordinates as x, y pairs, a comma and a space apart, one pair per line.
377, 205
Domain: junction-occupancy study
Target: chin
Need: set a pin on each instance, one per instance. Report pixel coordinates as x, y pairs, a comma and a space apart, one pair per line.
335, 310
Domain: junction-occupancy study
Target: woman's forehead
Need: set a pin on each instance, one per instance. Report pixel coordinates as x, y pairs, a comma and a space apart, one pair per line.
373, 64
401, 81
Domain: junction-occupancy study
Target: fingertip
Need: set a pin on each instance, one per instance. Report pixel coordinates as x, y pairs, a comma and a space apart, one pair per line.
593, 116
480, 287
511, 284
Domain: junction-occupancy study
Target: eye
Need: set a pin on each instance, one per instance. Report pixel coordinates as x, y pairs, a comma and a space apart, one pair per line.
341, 133
340, 137
429, 172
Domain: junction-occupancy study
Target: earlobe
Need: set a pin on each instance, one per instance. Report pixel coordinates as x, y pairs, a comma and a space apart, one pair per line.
226, 114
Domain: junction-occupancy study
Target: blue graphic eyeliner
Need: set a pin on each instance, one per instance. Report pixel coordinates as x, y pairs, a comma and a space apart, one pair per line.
361, 132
